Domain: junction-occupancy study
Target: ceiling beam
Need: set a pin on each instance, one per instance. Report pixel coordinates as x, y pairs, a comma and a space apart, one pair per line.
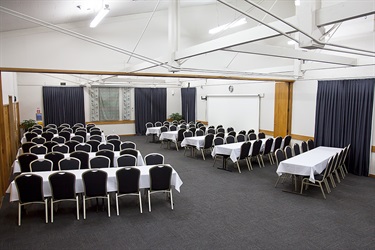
343, 11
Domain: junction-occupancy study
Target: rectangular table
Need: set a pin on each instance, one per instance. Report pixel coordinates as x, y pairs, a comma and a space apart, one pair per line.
196, 141
153, 131
309, 163
169, 135
140, 162
144, 181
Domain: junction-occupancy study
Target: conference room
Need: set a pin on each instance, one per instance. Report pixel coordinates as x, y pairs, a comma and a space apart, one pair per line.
137, 67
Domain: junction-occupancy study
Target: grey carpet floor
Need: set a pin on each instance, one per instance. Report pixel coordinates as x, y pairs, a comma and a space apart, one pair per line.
215, 210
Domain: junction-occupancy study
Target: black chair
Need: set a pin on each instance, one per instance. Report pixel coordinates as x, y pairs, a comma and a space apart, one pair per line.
230, 139
107, 146
78, 138
126, 160
69, 163
277, 144
39, 149
26, 146
30, 135
62, 148
232, 133
222, 135
52, 130
112, 137
250, 131
217, 141
83, 147
59, 139
65, 134
261, 135
244, 154
80, 133
199, 132
89, 126
288, 152
30, 191
267, 150
180, 137
154, 159
39, 140
280, 156
116, 143
230, 129
96, 132
55, 157
47, 135
162, 130
203, 128
128, 184
211, 131
241, 138
187, 133
160, 182
71, 145
129, 151
39, 131
94, 145
252, 137
310, 144
99, 161
296, 149
41, 165
242, 132
51, 125
65, 125
220, 130
172, 128
49, 145
95, 186
255, 153
287, 140
63, 188
78, 124
83, 157
69, 130
108, 153
24, 161
208, 143
128, 144
96, 138
158, 124
304, 147
95, 129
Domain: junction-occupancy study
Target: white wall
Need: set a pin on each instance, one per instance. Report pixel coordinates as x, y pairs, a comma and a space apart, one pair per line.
9, 86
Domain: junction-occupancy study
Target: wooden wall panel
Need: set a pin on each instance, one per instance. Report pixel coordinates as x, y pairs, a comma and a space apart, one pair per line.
3, 144
283, 110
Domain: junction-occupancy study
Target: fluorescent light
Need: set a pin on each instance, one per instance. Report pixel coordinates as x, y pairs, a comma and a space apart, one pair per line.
297, 2
292, 42
228, 26
102, 13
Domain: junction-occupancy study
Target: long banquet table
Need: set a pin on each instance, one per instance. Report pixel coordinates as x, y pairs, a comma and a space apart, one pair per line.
144, 181
309, 163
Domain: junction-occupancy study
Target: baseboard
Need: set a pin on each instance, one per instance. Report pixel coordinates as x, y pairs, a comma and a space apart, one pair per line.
128, 135
371, 175
373, 149
301, 137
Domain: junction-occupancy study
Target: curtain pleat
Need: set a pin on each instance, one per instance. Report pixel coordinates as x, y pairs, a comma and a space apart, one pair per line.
344, 116
188, 96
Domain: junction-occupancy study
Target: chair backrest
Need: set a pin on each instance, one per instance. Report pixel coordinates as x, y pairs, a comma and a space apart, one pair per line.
160, 177
69, 163
218, 140
242, 132
149, 125
96, 138
180, 134
199, 132
26, 146
256, 148
65, 125
24, 161
230, 139
59, 139
55, 157
65, 134
172, 128
116, 143
203, 128
261, 135
89, 126
39, 140
95, 131
52, 130
83, 157
230, 129
128, 144
154, 159
245, 148
268, 146
78, 124
232, 133
128, 180
188, 133
37, 130
29, 187
100, 161
241, 138
80, 133
39, 150
94, 145
330, 166
107, 146
69, 130
126, 160
49, 145
310, 144
41, 165
51, 125
277, 143
129, 151
280, 156
208, 141
183, 126
30, 135
296, 149
250, 131
158, 124
288, 152
222, 135
47, 135
83, 147
252, 136
113, 137
71, 145
211, 131
62, 148
304, 147
63, 185
287, 140
95, 182
108, 153
220, 130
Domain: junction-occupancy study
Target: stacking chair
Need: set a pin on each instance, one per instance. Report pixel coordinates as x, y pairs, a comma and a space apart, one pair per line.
230, 139
288, 152
211, 131
162, 130
39, 140
241, 138
41, 165
24, 161
62, 148
30, 191
230, 129
99, 161
95, 186
252, 137
180, 137
310, 144
107, 146
80, 133
128, 184
280, 156
222, 135
63, 188
187, 133
208, 142
158, 124
261, 135
94, 145
129, 151
217, 141
126, 160
277, 144
286, 141
96, 138
345, 157
69, 163
267, 150
30, 135
37, 126
256, 152
108, 153
52, 130
78, 138
83, 157
37, 131
203, 128
199, 132
65, 134
81, 129
26, 146
47, 135
338, 166
89, 126
65, 125
116, 143
112, 137
71, 145
128, 144
96, 132
78, 124
173, 128
182, 126
242, 132
250, 131
83, 147
244, 153
95, 129
154, 159
160, 182
59, 139
296, 149
61, 128
304, 147
232, 133
39, 149
49, 145
55, 157
220, 130
51, 125
69, 130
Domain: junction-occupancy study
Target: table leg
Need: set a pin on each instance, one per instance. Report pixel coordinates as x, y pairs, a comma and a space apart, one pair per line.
225, 167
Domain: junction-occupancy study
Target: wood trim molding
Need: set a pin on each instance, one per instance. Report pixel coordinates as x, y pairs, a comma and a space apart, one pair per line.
371, 175
373, 149
301, 137
113, 122
267, 132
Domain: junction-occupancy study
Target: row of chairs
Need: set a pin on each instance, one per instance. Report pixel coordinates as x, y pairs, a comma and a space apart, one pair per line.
63, 126
64, 136
30, 188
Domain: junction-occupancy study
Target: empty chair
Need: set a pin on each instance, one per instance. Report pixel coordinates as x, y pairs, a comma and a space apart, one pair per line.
304, 147
149, 125
47, 135
252, 137
78, 124
63, 188
99, 161
296, 149
39, 150
241, 138
62, 148
126, 160
280, 156
242, 132
69, 163
183, 126
65, 134
286, 141
173, 128
96, 138
39, 140
277, 144
220, 130
187, 133
55, 157
37, 130
310, 144
95, 129
232, 133
96, 132
222, 135
60, 128
208, 143
78, 138
89, 126
128, 184
80, 133
261, 135
160, 182
94, 145
250, 131
81, 129
267, 150
51, 125
154, 159
180, 137
30, 191
107, 146
83, 157
59, 139
69, 130
41, 165
128, 144
65, 125
30, 135
95, 186
288, 152
162, 130
158, 124
24, 161
203, 128
75, 129
116, 143
108, 153
49, 145
26, 146
83, 147
230, 129
37, 126
256, 153
211, 131
230, 139
113, 137
244, 153
129, 151
218, 141
199, 132
71, 145
52, 130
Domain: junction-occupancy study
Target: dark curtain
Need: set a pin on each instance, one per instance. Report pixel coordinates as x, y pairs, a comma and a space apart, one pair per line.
63, 105
150, 106
188, 103
344, 115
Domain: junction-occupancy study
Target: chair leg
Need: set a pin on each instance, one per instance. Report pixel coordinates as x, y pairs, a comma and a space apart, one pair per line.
109, 206
149, 200
77, 206
117, 208
140, 202
278, 179
171, 197
84, 207
202, 150
302, 182
19, 214
238, 166
327, 186
51, 210
337, 176
247, 163
46, 209
321, 188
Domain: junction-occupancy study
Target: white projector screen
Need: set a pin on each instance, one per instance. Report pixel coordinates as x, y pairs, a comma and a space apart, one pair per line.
238, 111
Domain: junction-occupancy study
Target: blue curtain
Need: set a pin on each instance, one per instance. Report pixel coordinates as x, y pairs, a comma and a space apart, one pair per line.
188, 96
150, 106
344, 116
63, 105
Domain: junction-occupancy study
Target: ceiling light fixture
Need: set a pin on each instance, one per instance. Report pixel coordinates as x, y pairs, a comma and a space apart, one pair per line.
228, 26
297, 2
99, 17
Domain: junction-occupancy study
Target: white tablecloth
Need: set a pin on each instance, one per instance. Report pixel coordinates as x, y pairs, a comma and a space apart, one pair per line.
196, 141
144, 181
140, 161
23, 140
309, 163
169, 135
153, 130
